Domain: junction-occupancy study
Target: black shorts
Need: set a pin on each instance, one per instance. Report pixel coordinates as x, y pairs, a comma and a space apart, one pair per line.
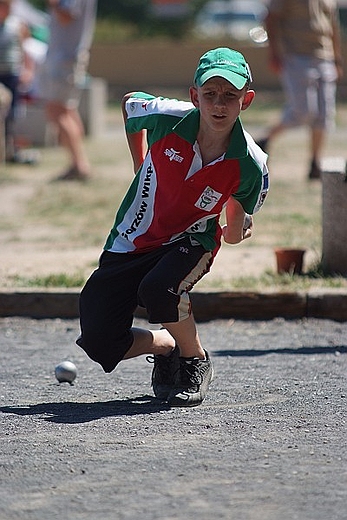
158, 280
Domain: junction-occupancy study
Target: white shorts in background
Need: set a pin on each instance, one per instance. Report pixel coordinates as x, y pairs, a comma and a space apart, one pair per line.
310, 89
63, 81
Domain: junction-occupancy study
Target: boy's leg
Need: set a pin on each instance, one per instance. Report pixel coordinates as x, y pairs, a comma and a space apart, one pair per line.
164, 292
187, 337
158, 342
155, 342
160, 282
194, 371
107, 304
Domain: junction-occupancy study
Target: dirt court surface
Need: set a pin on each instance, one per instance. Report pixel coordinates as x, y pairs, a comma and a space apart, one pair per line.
268, 443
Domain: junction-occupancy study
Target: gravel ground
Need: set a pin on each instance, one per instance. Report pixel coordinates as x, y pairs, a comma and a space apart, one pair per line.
268, 443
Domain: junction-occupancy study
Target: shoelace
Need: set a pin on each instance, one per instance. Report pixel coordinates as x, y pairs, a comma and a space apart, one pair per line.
190, 373
150, 359
164, 364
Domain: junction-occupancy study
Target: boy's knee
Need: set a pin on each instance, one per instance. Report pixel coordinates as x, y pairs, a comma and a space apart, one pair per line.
107, 351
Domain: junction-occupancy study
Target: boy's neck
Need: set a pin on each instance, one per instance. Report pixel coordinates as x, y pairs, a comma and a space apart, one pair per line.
212, 146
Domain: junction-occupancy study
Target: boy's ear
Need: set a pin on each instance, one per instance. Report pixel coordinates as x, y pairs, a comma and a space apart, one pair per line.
193, 92
247, 100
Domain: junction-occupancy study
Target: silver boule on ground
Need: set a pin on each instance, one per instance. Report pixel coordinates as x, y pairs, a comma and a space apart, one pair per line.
66, 372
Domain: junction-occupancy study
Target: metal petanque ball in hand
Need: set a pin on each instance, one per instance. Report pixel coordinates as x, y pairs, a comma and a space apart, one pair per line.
247, 221
66, 372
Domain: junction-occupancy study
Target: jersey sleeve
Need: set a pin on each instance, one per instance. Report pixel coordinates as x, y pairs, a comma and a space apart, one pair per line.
254, 184
155, 114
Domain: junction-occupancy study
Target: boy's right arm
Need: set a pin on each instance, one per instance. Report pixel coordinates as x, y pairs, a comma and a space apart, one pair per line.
236, 228
137, 141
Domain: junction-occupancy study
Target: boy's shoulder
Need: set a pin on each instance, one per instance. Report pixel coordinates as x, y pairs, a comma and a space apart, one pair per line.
254, 150
158, 115
144, 104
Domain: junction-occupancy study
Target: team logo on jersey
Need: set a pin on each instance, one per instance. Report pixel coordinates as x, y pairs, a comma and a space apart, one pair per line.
140, 214
173, 155
208, 199
263, 193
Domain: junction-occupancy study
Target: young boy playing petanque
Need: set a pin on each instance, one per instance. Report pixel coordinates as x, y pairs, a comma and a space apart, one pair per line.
191, 160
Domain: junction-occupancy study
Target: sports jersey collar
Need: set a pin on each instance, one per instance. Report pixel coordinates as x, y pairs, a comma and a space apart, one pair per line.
188, 127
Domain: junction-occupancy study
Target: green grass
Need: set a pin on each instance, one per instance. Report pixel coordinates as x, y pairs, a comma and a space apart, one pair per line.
312, 279
50, 281
270, 280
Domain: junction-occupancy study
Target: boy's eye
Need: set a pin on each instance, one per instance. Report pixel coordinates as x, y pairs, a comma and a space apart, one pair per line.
228, 94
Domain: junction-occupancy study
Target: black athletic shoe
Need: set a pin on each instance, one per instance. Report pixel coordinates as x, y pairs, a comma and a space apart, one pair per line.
192, 382
163, 373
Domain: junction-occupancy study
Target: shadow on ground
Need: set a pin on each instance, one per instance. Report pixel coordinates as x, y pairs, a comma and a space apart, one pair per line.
307, 351
76, 413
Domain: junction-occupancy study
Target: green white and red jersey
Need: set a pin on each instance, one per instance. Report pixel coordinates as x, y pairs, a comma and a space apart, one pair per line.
173, 194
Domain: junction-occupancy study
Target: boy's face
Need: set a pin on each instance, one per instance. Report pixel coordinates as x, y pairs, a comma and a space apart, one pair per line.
220, 103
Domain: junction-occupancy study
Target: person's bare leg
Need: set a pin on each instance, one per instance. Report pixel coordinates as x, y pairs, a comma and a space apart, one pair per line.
155, 342
187, 337
276, 130
272, 133
71, 134
317, 143
192, 376
181, 382
162, 342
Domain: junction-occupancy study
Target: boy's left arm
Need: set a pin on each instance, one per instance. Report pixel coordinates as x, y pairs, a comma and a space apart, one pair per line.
137, 141
238, 223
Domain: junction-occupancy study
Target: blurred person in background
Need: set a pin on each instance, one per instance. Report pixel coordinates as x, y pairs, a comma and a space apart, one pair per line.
305, 50
63, 76
16, 72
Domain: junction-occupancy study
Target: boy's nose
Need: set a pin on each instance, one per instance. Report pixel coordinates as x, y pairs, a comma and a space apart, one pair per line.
220, 100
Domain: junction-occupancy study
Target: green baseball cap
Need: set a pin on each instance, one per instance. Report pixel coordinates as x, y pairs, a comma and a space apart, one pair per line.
225, 63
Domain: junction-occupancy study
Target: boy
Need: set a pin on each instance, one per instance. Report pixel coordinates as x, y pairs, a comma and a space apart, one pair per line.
166, 232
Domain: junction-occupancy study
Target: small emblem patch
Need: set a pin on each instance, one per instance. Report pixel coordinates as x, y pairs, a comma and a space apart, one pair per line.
208, 199
173, 155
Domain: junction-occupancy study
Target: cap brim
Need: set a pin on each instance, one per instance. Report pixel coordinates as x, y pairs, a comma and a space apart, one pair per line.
235, 79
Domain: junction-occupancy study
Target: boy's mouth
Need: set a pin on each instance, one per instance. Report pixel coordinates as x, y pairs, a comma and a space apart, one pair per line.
219, 116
